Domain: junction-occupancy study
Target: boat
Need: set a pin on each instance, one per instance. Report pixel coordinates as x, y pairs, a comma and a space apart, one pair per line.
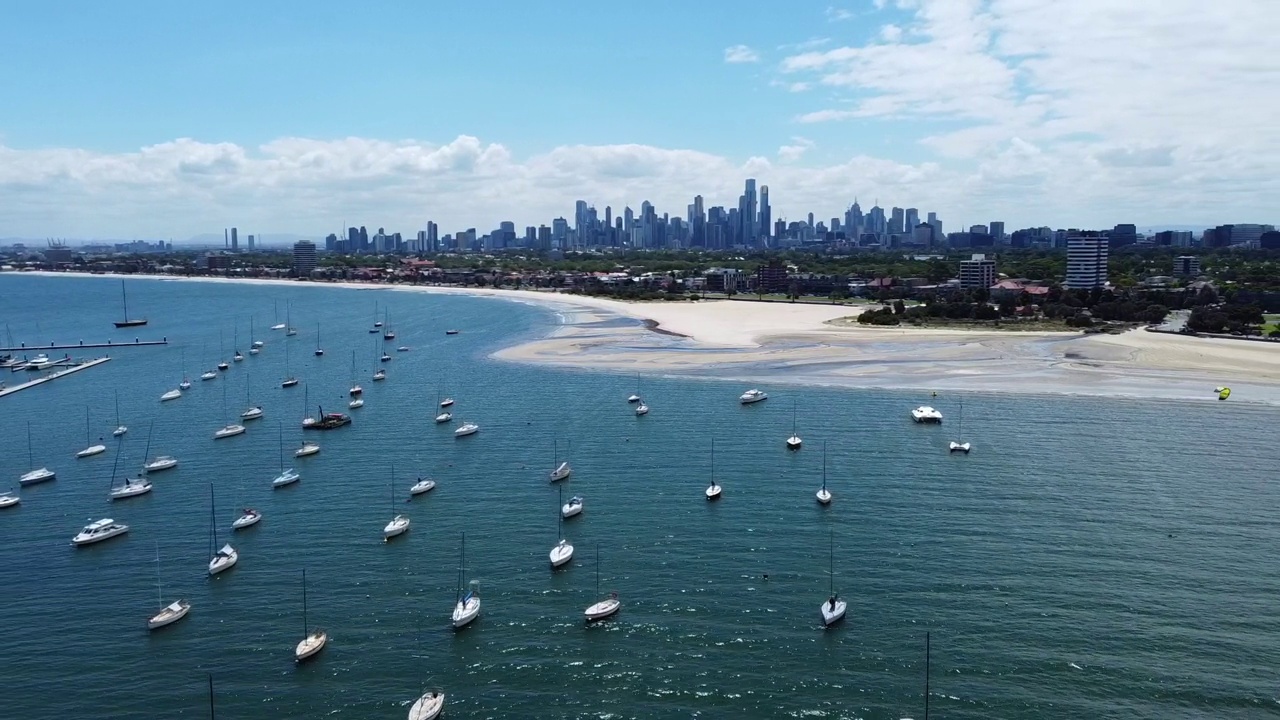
318, 351
131, 488
9, 499
635, 396
753, 396
313, 641
171, 395
307, 448
127, 322
235, 345
403, 348
286, 476
377, 324
444, 417
424, 485
466, 429
289, 380
1223, 392
387, 332
959, 445
171, 613
255, 346
289, 329
451, 332
562, 551
447, 402
99, 530
120, 428
208, 375
384, 358
379, 374
255, 411
164, 462
794, 442
248, 518
467, 607
642, 409
39, 362
230, 429
833, 608
355, 386
186, 382
713, 490
926, 414
275, 315
561, 469
237, 357
824, 495
91, 448
605, 607
225, 557
571, 508
35, 475
223, 365
399, 524
355, 403
427, 707
329, 421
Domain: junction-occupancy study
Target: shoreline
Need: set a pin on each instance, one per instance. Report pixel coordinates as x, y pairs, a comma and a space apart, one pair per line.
799, 344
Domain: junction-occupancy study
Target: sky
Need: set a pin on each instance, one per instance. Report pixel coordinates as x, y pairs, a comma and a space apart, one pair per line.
151, 120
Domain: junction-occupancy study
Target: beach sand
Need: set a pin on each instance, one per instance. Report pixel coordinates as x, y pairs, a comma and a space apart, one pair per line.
797, 343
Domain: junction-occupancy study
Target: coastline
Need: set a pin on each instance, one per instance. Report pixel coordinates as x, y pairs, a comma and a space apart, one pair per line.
798, 343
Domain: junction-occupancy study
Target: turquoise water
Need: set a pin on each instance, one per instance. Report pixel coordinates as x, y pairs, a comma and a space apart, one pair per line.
1091, 557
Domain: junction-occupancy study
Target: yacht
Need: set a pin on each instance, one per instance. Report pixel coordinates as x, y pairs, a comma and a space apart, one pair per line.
99, 530
171, 395
956, 445
452, 332
379, 374
169, 614
131, 487
384, 358
286, 477
561, 553
398, 526
794, 442
227, 431
561, 469
422, 486
257, 345
833, 609
753, 396
642, 409
328, 421
605, 607
253, 413
208, 375
444, 417
121, 428
355, 403
466, 429
467, 607
634, 398
237, 357
313, 641
224, 559
447, 402
185, 384
403, 348
164, 462
427, 707
40, 362
959, 447
926, 414
247, 518
224, 365
823, 494
355, 390
308, 448
254, 350
571, 508
713, 491
9, 499
288, 382
92, 450
38, 475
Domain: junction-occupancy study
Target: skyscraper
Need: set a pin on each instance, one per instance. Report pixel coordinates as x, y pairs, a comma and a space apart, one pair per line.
765, 223
896, 221
937, 226
853, 220
1086, 263
912, 220
747, 213
997, 231
235, 241
250, 243
304, 257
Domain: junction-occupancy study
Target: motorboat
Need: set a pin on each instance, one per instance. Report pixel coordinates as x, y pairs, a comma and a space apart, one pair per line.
427, 707
452, 332
224, 365
164, 462
169, 614
561, 553
9, 499
403, 348
571, 508
466, 429
384, 358
444, 417
422, 486
713, 491
398, 526
253, 413
310, 645
926, 414
38, 475
40, 362
753, 396
208, 375
447, 402
224, 559
355, 403
99, 530
248, 518
355, 390
286, 477
833, 610
288, 382
131, 488
92, 450
329, 421
308, 448
642, 409
379, 374
171, 395
227, 431
466, 609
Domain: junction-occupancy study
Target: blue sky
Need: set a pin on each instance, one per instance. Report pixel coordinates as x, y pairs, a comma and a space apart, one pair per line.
169, 119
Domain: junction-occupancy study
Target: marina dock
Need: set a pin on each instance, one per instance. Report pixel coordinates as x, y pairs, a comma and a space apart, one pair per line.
9, 390
83, 344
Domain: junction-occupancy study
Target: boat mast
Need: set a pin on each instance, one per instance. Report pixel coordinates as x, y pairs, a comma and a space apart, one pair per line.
793, 420
281, 447
117, 408
560, 515
926, 676
125, 297
147, 453
305, 632
462, 554
831, 568
824, 464
960, 423
159, 595
31, 458
213, 522
211, 717
597, 571
115, 463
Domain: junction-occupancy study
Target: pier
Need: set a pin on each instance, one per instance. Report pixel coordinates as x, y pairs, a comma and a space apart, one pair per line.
82, 344
52, 376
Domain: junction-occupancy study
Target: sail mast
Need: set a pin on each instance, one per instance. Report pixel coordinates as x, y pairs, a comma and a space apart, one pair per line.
305, 632
926, 676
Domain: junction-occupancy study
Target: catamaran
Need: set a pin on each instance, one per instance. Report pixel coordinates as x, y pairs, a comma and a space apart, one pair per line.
225, 557
467, 607
313, 641
562, 551
605, 607
926, 414
959, 445
171, 613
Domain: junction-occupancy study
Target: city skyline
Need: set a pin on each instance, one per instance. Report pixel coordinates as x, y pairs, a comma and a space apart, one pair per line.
171, 124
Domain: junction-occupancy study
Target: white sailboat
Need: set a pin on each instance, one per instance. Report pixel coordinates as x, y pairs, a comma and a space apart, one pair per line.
248, 517
230, 429
794, 442
131, 487
572, 508
168, 614
635, 396
429, 706
562, 551
36, 474
399, 523
289, 330
642, 409
120, 427
713, 490
186, 382
561, 470
254, 412
604, 607
275, 315
163, 462
313, 641
319, 350
255, 346
286, 477
376, 322
235, 344
91, 448
9, 499
289, 380
466, 429
444, 416
959, 445
308, 447
307, 420
222, 364
833, 609
225, 557
355, 386
424, 485
387, 332
824, 495
467, 607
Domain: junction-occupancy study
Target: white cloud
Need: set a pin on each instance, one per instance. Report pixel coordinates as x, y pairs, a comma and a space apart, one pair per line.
740, 54
794, 151
835, 14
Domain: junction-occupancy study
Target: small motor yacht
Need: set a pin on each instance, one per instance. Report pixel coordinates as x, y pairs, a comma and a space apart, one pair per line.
466, 429
422, 486
247, 518
571, 508
98, 531
253, 413
164, 462
753, 396
398, 526
926, 414
286, 477
131, 488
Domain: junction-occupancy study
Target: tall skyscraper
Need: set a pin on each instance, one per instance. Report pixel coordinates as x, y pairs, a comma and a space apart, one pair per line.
997, 231
1086, 263
853, 220
937, 226
765, 223
250, 243
896, 221
912, 220
235, 241
747, 213
330, 242
304, 257
876, 223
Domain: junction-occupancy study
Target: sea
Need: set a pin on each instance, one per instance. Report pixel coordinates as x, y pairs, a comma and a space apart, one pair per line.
1091, 558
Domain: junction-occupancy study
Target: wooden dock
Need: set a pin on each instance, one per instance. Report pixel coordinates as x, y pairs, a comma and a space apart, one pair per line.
9, 390
82, 344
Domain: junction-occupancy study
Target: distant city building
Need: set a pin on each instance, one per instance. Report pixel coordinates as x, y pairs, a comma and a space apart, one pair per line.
235, 241
997, 231
772, 277
330, 242
896, 222
250, 238
977, 272
304, 257
1186, 266
1123, 234
1269, 240
911, 221
922, 234
1086, 263
1172, 238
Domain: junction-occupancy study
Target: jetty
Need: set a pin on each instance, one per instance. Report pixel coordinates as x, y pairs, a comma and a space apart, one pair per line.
82, 344
74, 368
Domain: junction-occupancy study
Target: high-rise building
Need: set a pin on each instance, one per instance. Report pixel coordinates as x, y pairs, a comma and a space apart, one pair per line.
911, 221
766, 214
937, 226
559, 233
304, 258
747, 213
978, 230
997, 231
1086, 263
922, 234
896, 221
875, 220
853, 220
235, 241
1124, 234
330, 242
978, 272
1186, 266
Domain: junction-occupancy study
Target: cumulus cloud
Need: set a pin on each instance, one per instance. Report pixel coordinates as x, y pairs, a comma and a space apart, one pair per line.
740, 54
796, 149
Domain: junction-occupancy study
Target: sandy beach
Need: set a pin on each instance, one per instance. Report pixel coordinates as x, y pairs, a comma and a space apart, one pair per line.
797, 343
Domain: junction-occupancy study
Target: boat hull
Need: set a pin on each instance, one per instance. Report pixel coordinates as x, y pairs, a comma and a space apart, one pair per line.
245, 521
395, 528
91, 451
37, 476
170, 615
308, 646
824, 497
713, 493
830, 615
602, 609
463, 615
427, 707
561, 554
159, 465
423, 487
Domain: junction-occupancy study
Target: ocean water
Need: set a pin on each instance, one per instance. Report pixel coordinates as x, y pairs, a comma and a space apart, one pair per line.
1091, 558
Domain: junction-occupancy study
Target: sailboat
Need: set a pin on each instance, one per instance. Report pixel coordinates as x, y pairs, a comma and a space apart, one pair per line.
275, 315
126, 322
120, 428
444, 416
222, 364
376, 322
379, 373
429, 706
355, 386
186, 382
255, 411
286, 477
635, 396
289, 330
225, 557
642, 409
230, 428
713, 490
399, 523
319, 351
467, 607
794, 442
171, 613
824, 495
561, 469
958, 445
833, 608
90, 449
133, 486
926, 677
255, 346
163, 462
9, 499
562, 551
602, 609
171, 395
572, 508
313, 641
35, 475
235, 344
289, 380
387, 332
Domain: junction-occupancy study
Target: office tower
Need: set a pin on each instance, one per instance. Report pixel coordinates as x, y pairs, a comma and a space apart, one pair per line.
1124, 234
330, 242
747, 213
1086, 263
1186, 266
226, 242
897, 221
937, 226
559, 233
922, 235
979, 272
544, 238
364, 239
433, 237
628, 219
766, 214
250, 243
810, 221
304, 257
911, 221
875, 219
353, 240
853, 220
997, 232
